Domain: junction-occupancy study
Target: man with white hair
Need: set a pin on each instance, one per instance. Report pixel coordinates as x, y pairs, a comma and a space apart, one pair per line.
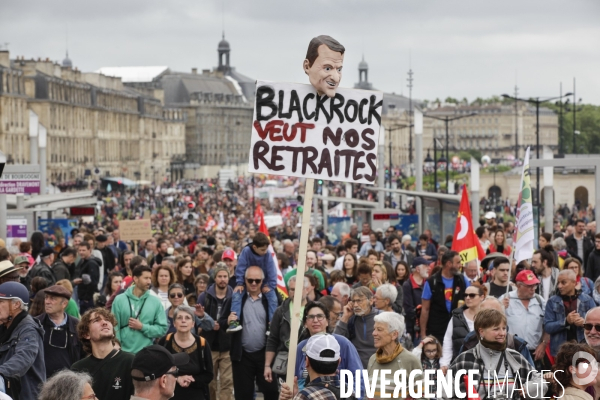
471, 271
591, 328
341, 291
563, 319
23, 359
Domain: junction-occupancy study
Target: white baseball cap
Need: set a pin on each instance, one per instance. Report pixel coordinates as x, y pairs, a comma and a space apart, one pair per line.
490, 215
318, 343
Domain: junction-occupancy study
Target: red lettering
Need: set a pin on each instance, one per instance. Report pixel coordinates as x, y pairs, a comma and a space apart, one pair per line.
274, 129
262, 133
292, 133
303, 127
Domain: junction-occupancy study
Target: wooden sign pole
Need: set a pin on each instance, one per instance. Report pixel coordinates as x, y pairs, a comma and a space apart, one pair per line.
296, 317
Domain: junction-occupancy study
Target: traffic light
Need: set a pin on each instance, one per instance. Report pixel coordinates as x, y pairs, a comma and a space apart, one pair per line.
320, 181
300, 209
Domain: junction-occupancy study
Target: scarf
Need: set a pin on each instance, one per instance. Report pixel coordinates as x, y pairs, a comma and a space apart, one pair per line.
4, 336
493, 345
385, 359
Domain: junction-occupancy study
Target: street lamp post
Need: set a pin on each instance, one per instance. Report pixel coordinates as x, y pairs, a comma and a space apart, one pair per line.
537, 101
391, 129
446, 120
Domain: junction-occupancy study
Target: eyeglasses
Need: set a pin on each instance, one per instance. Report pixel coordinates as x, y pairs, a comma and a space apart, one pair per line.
339, 314
430, 351
175, 373
174, 295
357, 300
471, 295
588, 327
318, 317
254, 281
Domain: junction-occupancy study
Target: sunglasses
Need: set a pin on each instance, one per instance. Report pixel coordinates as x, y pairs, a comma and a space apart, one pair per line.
254, 281
176, 295
471, 295
174, 373
588, 327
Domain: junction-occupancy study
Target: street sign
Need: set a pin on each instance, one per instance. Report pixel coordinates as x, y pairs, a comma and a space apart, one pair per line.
20, 182
16, 228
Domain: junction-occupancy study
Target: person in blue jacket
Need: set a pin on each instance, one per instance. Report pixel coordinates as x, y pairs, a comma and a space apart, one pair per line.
315, 322
255, 254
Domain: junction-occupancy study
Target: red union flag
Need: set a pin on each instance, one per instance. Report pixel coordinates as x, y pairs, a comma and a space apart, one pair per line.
465, 241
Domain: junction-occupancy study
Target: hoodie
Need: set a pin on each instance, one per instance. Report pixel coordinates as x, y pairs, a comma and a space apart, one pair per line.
248, 258
148, 309
22, 356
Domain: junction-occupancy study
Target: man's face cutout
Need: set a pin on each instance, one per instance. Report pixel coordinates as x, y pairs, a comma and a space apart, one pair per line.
325, 73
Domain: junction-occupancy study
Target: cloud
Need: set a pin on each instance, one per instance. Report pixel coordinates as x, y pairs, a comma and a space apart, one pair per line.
464, 48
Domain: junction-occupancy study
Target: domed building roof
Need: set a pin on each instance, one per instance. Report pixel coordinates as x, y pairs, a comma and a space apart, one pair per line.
67, 63
363, 64
223, 44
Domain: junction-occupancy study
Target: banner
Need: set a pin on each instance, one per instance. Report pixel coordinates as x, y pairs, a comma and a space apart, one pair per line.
524, 233
298, 133
138, 229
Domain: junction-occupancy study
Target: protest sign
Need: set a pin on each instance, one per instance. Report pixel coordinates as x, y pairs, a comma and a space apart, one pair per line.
139, 229
296, 132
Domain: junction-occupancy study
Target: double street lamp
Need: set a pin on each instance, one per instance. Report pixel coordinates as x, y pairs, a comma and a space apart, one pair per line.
446, 120
537, 101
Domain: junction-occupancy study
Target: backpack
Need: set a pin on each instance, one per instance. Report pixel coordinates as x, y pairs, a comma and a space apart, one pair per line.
201, 339
333, 389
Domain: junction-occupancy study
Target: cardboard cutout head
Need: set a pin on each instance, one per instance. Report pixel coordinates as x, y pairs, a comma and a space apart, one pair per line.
323, 64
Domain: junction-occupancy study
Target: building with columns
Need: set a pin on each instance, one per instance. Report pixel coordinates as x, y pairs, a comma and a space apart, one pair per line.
93, 122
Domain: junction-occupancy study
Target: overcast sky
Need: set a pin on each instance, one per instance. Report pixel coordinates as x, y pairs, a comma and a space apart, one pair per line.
467, 48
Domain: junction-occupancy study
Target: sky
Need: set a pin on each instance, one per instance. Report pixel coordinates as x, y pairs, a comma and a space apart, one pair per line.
466, 48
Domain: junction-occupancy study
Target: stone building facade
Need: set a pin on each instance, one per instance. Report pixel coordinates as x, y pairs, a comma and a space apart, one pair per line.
93, 122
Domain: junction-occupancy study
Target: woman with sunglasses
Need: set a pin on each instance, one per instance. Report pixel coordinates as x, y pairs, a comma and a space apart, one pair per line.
194, 377
316, 321
461, 323
177, 298
584, 284
572, 376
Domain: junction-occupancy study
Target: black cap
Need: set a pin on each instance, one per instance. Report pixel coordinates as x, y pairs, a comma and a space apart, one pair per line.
155, 361
420, 261
46, 251
101, 238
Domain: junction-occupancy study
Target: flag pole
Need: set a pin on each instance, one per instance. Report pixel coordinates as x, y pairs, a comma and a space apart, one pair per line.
297, 301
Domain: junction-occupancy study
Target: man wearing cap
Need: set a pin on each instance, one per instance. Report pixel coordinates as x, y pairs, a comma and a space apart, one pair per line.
215, 300
61, 344
154, 372
22, 264
525, 313
64, 268
322, 361
22, 357
490, 219
10, 272
228, 258
413, 290
43, 268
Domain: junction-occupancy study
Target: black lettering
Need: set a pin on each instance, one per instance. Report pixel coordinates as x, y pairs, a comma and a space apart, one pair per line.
325, 162
286, 115
373, 109
260, 149
336, 163
276, 157
295, 151
310, 155
304, 106
321, 107
335, 138
352, 138
348, 154
335, 107
358, 165
370, 143
264, 98
363, 103
371, 161
351, 117
295, 105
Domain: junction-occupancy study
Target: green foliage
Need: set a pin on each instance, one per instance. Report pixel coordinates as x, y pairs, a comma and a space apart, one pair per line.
467, 154
451, 100
588, 123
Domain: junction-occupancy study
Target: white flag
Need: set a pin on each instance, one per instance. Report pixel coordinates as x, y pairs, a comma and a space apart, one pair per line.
524, 232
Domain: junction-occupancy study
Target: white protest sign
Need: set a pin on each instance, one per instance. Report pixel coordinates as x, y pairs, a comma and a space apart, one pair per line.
295, 132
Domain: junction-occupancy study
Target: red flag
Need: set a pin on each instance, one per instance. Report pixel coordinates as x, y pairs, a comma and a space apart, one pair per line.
476, 397
465, 241
258, 214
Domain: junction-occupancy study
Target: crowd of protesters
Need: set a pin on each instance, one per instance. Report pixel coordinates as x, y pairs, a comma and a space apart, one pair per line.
193, 311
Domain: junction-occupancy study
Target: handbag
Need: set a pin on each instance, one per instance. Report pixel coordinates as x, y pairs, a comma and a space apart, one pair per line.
280, 363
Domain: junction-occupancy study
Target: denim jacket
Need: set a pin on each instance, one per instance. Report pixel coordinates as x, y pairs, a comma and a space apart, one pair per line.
555, 319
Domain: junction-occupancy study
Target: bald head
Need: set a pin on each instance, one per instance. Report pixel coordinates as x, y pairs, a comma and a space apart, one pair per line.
492, 303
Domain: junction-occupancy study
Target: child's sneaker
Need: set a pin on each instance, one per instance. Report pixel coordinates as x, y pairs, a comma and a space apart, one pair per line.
234, 326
